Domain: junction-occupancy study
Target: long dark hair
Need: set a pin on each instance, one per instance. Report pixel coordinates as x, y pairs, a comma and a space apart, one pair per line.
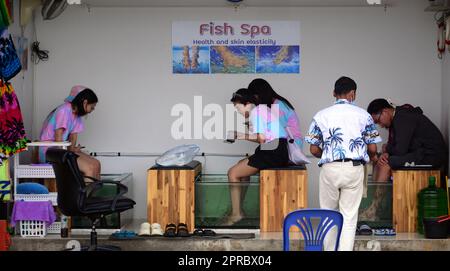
244, 96
85, 94
265, 92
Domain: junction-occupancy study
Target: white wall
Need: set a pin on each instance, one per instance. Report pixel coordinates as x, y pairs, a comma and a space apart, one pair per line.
124, 54
446, 97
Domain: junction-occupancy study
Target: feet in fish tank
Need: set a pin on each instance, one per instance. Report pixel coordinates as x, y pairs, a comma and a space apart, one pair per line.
231, 220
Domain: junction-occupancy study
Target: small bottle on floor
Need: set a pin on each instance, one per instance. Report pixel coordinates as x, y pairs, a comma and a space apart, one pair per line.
64, 227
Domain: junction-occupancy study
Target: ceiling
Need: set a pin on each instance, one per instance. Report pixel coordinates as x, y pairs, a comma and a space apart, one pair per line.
223, 3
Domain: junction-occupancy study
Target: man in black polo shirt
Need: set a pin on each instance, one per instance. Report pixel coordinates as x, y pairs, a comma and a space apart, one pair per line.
414, 139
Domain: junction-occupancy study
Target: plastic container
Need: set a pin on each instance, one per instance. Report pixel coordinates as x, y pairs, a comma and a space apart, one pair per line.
52, 196
32, 228
55, 227
434, 229
431, 203
36, 228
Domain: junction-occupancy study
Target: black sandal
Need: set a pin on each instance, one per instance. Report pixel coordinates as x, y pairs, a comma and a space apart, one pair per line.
198, 232
170, 230
363, 229
209, 232
182, 230
204, 232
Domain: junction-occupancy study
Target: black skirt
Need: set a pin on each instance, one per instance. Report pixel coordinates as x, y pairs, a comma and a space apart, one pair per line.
270, 155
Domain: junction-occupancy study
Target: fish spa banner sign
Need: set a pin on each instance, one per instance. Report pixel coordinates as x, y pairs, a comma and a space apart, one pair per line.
235, 47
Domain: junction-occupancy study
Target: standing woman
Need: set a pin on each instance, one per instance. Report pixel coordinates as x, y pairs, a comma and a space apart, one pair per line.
65, 122
271, 152
287, 115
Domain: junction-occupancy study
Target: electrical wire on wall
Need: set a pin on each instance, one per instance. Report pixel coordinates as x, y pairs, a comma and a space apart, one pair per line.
447, 27
442, 34
37, 54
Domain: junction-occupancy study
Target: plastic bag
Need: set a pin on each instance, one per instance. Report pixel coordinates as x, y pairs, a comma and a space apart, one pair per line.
296, 155
178, 156
10, 64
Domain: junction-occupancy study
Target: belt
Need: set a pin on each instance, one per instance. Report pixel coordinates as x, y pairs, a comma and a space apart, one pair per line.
355, 162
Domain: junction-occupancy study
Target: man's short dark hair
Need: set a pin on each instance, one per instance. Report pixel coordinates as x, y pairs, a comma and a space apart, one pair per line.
344, 85
377, 105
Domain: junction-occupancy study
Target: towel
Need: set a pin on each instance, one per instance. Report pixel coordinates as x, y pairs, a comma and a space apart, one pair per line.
33, 210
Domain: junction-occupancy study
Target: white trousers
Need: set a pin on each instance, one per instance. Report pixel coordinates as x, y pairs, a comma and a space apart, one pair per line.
341, 188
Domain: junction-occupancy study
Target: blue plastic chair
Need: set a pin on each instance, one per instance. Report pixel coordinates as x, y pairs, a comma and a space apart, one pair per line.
313, 237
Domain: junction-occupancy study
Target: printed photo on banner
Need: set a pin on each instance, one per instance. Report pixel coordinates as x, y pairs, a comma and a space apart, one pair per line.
190, 59
236, 47
278, 59
232, 59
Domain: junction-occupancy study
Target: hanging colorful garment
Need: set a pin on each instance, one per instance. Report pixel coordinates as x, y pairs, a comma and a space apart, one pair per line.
5, 16
10, 64
12, 132
5, 182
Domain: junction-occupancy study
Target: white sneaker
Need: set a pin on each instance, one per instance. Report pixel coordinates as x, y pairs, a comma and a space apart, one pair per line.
145, 229
156, 229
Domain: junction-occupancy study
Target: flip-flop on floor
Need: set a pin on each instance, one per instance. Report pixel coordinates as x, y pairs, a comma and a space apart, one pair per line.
384, 232
364, 229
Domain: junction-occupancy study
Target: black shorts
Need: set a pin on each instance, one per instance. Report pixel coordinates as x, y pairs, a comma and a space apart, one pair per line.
270, 155
419, 157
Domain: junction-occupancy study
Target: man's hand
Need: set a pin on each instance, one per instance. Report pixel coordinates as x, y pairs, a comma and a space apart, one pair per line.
316, 151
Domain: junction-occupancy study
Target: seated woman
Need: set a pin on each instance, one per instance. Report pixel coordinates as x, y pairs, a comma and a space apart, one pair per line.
271, 152
65, 122
288, 117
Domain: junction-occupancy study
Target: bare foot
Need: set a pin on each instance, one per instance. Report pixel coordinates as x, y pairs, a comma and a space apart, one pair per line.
231, 220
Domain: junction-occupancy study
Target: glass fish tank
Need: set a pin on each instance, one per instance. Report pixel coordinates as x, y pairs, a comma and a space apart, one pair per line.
375, 209
213, 202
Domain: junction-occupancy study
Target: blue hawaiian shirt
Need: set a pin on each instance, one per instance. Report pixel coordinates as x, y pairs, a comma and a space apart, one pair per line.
343, 131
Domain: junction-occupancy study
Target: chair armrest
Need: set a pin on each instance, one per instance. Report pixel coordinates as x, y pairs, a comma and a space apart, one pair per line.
98, 184
92, 187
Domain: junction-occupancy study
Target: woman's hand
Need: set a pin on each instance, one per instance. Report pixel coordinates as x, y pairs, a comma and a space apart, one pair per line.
76, 149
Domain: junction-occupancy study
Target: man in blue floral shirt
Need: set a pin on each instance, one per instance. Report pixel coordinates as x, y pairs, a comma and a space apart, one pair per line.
344, 137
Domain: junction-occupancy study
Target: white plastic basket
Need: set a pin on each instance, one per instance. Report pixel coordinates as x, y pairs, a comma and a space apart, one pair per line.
32, 228
36, 228
55, 227
52, 196
41, 171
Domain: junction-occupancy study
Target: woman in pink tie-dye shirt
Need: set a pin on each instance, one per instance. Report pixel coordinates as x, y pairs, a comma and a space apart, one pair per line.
65, 122
288, 117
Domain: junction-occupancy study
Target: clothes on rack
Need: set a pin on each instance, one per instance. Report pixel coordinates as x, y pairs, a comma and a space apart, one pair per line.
12, 131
